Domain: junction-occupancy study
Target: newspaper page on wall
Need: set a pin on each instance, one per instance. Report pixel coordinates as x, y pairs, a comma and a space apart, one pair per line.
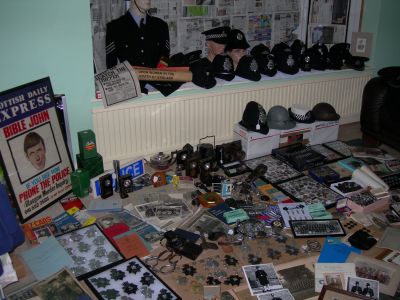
328, 21
118, 84
34, 155
263, 21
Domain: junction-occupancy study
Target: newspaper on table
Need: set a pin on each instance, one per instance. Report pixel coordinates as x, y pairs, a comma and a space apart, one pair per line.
118, 84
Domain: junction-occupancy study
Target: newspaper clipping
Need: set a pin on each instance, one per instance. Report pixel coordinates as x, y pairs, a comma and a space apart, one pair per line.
118, 84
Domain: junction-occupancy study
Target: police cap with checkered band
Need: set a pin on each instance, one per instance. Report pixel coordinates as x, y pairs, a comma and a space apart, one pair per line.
217, 34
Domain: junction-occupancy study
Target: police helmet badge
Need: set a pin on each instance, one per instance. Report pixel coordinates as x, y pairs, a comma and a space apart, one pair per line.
253, 65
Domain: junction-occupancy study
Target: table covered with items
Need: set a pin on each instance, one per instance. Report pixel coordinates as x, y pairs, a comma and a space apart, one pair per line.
304, 222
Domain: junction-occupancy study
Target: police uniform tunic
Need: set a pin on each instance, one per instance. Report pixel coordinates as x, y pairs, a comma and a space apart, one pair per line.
140, 45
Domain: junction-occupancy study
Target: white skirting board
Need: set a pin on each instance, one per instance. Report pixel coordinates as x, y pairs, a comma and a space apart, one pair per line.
144, 127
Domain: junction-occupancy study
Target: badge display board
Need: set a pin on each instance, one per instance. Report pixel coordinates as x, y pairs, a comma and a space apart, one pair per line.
90, 250
34, 155
129, 280
308, 190
277, 171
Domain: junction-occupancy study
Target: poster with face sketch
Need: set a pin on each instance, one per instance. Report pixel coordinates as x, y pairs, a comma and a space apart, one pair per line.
34, 155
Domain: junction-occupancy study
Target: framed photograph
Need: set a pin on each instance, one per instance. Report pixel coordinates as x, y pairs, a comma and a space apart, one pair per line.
387, 274
361, 44
298, 277
316, 228
63, 284
363, 287
331, 293
130, 279
90, 250
333, 275
261, 279
34, 155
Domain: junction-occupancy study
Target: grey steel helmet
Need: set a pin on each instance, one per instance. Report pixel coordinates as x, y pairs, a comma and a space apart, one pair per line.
278, 118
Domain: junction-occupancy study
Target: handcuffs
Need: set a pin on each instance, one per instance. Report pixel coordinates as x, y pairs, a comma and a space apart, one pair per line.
165, 256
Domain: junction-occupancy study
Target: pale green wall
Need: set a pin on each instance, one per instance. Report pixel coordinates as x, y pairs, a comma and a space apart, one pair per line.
42, 38
52, 38
383, 20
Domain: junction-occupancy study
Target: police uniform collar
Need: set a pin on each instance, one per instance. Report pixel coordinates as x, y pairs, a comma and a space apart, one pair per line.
137, 18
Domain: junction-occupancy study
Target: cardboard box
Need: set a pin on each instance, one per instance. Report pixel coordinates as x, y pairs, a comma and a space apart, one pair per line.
256, 144
301, 133
324, 132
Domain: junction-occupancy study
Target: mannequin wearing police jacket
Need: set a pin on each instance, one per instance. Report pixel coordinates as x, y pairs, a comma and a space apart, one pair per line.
137, 37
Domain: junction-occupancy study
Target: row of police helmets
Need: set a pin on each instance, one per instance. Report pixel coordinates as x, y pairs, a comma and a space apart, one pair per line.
256, 119
291, 59
222, 65
247, 66
282, 57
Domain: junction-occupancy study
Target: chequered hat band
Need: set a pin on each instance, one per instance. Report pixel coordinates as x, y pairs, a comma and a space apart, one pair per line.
216, 36
299, 117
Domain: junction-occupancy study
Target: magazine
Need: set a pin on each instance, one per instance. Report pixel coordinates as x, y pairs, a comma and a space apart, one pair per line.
44, 223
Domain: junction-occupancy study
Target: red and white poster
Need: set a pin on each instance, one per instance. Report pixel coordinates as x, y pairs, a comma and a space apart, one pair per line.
34, 155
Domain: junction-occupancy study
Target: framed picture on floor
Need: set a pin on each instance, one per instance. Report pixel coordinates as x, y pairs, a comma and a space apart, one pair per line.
34, 155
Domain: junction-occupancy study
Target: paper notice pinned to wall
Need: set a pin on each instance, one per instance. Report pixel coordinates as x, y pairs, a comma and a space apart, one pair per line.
118, 84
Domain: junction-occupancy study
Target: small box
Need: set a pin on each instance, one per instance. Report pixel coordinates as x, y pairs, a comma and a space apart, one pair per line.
80, 182
87, 144
300, 134
93, 165
324, 132
256, 144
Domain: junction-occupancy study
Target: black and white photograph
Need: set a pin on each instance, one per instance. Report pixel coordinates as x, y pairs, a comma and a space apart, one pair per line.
167, 200
261, 278
316, 228
147, 210
168, 212
298, 277
206, 223
277, 295
364, 287
387, 274
335, 280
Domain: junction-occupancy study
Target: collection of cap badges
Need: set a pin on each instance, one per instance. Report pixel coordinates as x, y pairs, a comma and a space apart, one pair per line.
89, 249
130, 280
